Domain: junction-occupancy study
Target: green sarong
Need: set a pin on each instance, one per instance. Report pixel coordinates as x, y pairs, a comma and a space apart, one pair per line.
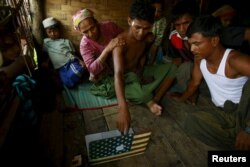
139, 93
134, 90
219, 127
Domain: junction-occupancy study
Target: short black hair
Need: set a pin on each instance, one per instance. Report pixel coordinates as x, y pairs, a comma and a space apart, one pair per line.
184, 8
142, 10
158, 1
207, 25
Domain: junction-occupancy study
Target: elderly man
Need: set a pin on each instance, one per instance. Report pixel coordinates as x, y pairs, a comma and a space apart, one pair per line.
97, 42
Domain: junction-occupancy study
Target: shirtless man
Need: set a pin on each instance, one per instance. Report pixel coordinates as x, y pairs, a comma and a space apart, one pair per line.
130, 75
226, 73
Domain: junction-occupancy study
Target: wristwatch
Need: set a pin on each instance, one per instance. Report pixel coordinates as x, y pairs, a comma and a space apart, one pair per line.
247, 129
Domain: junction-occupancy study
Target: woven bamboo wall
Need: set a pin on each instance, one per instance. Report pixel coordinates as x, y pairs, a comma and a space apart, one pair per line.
115, 10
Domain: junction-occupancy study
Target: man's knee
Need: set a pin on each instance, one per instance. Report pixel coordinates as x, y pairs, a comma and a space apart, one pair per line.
138, 96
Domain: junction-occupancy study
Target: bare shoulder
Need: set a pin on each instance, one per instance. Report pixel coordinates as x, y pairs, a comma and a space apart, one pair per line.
123, 35
236, 56
239, 63
121, 48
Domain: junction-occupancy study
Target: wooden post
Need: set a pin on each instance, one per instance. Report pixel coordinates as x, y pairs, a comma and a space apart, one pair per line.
37, 14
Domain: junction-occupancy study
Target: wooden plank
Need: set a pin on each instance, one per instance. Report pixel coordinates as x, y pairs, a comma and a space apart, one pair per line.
159, 152
156, 154
169, 141
186, 146
188, 151
110, 164
74, 138
110, 115
51, 138
76, 126
94, 121
136, 161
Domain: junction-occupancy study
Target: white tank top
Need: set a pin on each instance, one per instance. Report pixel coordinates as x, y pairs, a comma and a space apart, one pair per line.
221, 87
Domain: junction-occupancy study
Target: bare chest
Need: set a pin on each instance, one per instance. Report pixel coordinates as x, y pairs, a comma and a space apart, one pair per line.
134, 54
212, 68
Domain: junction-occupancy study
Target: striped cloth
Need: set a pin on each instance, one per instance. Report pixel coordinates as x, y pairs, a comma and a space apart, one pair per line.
80, 98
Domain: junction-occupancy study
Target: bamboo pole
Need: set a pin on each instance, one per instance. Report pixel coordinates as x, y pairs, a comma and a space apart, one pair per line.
37, 14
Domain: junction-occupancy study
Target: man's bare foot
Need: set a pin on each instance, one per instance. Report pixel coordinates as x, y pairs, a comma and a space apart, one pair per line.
154, 107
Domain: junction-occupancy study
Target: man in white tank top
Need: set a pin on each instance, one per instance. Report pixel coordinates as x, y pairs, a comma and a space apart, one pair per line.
226, 73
